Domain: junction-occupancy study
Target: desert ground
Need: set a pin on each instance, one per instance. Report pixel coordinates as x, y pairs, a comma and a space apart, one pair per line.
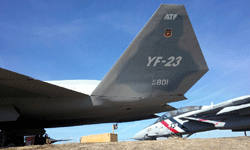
239, 143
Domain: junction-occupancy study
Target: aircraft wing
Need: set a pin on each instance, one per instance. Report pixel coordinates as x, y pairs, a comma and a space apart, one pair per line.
242, 109
17, 85
201, 120
159, 66
15, 88
217, 116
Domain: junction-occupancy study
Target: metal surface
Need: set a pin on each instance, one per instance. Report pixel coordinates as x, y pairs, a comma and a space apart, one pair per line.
160, 65
225, 115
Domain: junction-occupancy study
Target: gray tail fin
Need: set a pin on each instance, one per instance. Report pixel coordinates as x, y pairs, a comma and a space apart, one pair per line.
164, 59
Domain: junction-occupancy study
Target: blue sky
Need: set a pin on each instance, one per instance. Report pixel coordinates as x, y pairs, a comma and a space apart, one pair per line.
62, 40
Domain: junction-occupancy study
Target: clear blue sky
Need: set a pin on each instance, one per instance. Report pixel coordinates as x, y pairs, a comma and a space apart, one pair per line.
60, 40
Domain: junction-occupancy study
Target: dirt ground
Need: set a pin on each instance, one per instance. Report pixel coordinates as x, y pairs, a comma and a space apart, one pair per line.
239, 143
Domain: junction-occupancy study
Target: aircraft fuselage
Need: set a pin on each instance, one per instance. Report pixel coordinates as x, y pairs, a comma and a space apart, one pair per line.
232, 114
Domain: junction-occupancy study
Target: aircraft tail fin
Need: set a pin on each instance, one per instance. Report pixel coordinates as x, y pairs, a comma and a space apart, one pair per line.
164, 59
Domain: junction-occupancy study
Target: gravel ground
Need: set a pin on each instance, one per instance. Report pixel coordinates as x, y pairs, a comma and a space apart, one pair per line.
239, 143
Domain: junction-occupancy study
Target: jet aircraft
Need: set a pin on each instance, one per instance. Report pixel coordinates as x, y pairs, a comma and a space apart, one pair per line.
232, 114
160, 65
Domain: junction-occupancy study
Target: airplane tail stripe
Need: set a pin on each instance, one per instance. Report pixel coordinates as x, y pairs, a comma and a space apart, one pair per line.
167, 126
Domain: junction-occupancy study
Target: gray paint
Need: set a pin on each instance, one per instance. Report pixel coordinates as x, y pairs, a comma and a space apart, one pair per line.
126, 93
8, 113
131, 77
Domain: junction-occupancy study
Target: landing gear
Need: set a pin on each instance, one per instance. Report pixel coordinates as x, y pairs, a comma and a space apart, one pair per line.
175, 136
9, 139
12, 138
148, 138
188, 135
11, 145
153, 138
41, 139
245, 133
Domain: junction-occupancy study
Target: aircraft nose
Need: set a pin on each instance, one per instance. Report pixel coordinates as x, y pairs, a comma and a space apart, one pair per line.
139, 135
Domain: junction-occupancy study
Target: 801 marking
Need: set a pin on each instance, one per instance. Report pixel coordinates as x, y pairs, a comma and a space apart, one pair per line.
160, 82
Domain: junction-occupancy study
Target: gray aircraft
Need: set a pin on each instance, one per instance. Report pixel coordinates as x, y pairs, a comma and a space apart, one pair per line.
232, 114
160, 65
